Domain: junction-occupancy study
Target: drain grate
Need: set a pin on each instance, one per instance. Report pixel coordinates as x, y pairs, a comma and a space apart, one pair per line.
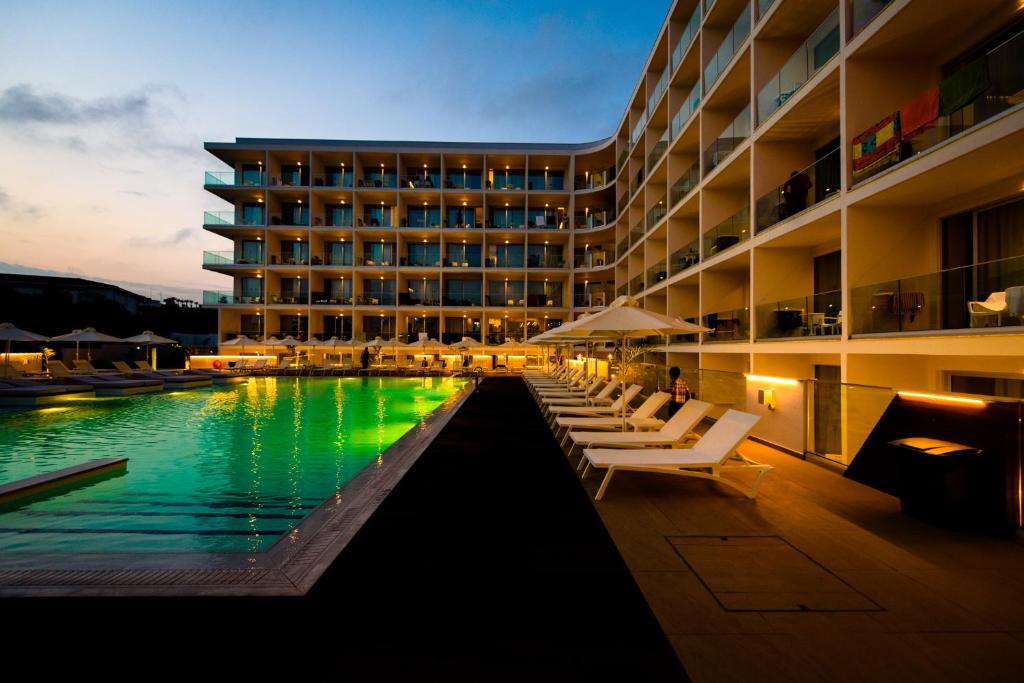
766, 574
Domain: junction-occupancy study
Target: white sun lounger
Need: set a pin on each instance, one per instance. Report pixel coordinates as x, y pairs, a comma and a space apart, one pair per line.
712, 455
672, 433
603, 397
588, 385
641, 418
597, 411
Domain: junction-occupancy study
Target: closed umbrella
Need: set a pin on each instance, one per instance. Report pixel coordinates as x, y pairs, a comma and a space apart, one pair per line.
9, 333
88, 335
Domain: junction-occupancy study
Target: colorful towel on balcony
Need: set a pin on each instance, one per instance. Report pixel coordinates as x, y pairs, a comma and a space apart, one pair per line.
906, 303
921, 114
964, 86
877, 147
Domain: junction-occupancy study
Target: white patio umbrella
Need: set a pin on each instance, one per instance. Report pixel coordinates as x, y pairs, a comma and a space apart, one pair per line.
88, 335
626, 320
9, 333
241, 341
150, 339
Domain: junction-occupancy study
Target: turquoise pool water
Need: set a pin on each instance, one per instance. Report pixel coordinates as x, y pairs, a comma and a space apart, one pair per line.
225, 469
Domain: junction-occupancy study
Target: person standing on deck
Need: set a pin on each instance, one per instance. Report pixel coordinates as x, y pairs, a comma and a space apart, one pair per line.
679, 390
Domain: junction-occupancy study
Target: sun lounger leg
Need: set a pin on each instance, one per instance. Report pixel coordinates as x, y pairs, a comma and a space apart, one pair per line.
604, 483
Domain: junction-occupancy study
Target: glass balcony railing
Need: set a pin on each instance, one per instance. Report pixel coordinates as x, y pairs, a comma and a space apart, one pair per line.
726, 143
300, 298
656, 273
636, 233
802, 190
623, 290
656, 213
545, 261
385, 180
686, 110
334, 179
231, 218
590, 259
621, 248
594, 219
623, 202
214, 298
981, 89
337, 259
686, 182
815, 52
464, 180
235, 178
686, 38
659, 89
621, 163
289, 259
593, 299
658, 151
728, 233
728, 49
983, 295
636, 285
385, 260
420, 261
636, 182
685, 257
229, 258
814, 315
376, 299
763, 6
594, 180
727, 326
862, 12
638, 129
332, 298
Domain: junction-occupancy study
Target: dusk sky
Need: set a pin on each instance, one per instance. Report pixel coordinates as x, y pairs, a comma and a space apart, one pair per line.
104, 107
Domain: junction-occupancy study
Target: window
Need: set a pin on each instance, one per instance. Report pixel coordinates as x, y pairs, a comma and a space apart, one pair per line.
987, 385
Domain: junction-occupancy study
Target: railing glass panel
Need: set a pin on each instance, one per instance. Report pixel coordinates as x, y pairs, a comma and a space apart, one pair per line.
686, 38
984, 295
814, 315
815, 52
685, 257
802, 190
727, 50
686, 182
726, 143
686, 110
728, 233
727, 326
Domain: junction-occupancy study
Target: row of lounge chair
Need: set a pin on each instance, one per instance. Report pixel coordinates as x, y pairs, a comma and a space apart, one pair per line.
297, 367
607, 433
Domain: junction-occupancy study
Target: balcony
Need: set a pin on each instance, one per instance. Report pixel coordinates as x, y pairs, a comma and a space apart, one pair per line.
594, 219
725, 144
506, 180
638, 129
335, 259
623, 290
656, 273
636, 285
384, 260
234, 178
332, 298
622, 247
230, 218
550, 181
595, 180
815, 315
803, 189
300, 298
385, 299
862, 12
686, 110
685, 257
464, 180
463, 300
815, 52
419, 299
545, 261
215, 298
590, 259
420, 261
427, 180
636, 233
228, 258
636, 181
685, 184
656, 213
594, 299
686, 38
336, 218
728, 233
296, 217
659, 89
334, 179
379, 180
658, 151
289, 259
980, 90
623, 203
986, 296
728, 49
727, 326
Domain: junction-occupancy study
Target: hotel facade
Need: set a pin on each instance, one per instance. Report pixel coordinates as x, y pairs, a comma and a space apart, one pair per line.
834, 187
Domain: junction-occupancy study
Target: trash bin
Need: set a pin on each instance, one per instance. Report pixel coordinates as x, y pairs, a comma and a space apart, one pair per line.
951, 484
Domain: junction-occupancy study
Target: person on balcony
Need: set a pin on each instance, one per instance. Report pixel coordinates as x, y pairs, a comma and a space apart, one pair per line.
794, 194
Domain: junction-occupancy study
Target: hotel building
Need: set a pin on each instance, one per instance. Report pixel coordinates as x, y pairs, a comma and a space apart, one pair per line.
834, 187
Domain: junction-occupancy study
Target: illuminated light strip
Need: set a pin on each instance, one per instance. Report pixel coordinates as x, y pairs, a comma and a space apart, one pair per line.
773, 380
913, 395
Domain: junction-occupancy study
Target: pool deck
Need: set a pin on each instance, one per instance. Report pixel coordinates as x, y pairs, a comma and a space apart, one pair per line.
818, 579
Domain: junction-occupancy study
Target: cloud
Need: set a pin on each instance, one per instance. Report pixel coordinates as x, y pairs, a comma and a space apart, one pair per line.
22, 104
9, 205
177, 237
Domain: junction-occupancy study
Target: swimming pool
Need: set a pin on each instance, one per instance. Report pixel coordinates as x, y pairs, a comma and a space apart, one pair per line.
220, 470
